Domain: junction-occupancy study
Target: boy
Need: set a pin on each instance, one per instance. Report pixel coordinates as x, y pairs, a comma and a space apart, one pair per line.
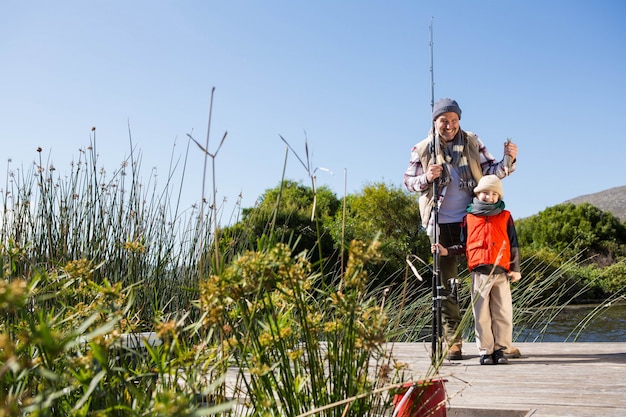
489, 240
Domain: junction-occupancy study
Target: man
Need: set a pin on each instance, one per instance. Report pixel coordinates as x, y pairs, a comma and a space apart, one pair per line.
458, 163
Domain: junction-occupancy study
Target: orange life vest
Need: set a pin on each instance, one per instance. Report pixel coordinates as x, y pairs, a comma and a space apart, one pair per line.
486, 239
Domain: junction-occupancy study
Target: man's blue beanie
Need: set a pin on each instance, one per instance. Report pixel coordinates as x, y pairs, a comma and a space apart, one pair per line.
444, 105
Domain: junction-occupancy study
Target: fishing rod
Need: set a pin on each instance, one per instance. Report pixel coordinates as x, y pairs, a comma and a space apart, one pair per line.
437, 333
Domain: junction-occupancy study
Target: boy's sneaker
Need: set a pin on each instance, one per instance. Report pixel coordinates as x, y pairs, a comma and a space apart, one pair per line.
499, 358
487, 360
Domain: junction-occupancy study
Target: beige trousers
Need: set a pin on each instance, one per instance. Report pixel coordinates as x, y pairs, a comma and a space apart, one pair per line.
493, 312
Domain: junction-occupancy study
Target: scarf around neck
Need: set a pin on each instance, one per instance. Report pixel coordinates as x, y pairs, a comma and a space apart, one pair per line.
456, 156
480, 208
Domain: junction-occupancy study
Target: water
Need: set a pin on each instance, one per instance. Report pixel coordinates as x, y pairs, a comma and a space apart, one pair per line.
607, 325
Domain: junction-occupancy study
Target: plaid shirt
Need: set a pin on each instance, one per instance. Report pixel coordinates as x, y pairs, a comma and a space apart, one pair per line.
415, 175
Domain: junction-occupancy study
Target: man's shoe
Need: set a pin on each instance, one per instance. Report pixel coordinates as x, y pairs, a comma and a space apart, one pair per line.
499, 358
455, 352
512, 353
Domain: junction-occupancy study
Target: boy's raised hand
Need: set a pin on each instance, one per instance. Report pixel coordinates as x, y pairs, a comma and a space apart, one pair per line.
515, 276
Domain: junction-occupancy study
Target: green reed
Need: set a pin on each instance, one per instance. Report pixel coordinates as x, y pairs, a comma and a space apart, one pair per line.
67, 349
297, 348
91, 259
134, 229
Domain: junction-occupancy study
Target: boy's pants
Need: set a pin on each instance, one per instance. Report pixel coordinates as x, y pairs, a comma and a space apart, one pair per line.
493, 312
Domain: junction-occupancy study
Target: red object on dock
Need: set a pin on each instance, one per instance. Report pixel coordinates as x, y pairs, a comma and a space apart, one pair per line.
421, 399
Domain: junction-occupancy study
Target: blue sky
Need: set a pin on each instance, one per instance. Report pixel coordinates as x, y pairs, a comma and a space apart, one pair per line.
351, 77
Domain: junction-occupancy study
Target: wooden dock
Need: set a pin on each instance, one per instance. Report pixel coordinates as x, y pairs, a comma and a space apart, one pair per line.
549, 380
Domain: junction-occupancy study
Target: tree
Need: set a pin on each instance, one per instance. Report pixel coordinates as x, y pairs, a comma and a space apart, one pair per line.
290, 213
573, 230
389, 213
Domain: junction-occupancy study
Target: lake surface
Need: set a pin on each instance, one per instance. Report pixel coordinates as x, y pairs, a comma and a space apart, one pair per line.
607, 324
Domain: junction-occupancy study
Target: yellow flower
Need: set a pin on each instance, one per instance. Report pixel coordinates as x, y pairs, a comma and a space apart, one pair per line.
80, 268
166, 329
135, 246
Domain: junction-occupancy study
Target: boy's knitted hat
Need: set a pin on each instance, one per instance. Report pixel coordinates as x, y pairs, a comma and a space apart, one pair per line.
490, 183
444, 105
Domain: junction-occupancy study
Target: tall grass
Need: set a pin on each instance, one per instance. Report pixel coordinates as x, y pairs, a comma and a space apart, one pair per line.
135, 230
91, 259
302, 350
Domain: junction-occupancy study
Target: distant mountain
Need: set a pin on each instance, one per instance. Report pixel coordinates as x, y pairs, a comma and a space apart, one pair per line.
612, 200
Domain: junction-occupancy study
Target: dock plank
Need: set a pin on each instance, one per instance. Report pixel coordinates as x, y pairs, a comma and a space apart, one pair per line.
550, 379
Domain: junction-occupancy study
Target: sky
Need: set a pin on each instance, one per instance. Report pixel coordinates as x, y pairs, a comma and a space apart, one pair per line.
348, 80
